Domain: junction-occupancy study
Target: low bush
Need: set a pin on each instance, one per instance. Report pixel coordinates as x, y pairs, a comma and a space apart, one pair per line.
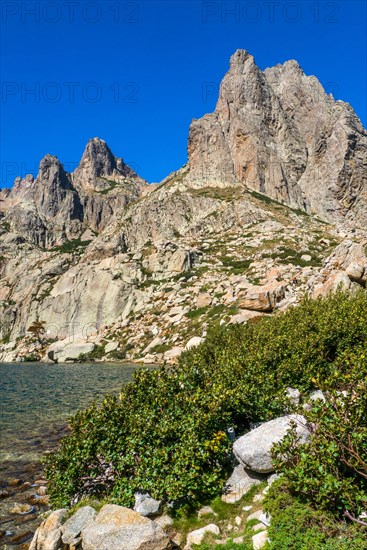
296, 525
331, 470
166, 433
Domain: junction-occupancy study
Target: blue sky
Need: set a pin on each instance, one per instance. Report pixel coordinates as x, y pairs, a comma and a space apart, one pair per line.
133, 72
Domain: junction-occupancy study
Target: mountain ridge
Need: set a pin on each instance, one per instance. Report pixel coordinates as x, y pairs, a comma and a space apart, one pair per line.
274, 190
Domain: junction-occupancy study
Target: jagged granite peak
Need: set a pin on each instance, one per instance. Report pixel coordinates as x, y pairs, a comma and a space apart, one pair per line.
54, 193
277, 132
44, 210
57, 206
52, 171
98, 164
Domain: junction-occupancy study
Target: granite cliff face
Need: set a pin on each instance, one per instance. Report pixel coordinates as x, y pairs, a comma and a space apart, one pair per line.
139, 271
57, 206
277, 132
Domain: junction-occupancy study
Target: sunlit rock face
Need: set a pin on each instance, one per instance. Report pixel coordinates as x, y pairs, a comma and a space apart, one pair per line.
278, 133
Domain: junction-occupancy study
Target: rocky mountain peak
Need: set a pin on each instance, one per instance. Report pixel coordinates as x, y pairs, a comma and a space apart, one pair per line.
51, 173
277, 132
240, 61
99, 164
98, 158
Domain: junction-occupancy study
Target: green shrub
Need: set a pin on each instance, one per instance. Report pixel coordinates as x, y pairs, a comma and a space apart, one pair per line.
236, 266
76, 246
331, 470
296, 525
166, 433
97, 353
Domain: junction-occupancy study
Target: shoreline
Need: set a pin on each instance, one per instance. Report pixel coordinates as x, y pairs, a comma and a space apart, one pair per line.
37, 400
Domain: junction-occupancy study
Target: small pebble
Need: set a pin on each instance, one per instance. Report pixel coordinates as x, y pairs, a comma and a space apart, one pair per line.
247, 508
238, 520
21, 509
14, 482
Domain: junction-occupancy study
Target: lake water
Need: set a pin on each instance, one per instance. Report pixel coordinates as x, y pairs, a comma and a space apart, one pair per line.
36, 400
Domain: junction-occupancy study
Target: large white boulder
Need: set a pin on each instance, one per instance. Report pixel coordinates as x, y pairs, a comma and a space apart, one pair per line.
259, 540
253, 449
67, 350
73, 351
123, 529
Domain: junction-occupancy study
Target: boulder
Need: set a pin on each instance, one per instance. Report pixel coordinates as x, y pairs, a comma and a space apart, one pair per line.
259, 540
72, 528
197, 536
356, 271
67, 350
173, 354
255, 515
263, 298
48, 534
111, 346
294, 395
180, 261
240, 482
206, 511
253, 449
146, 505
203, 300
73, 351
265, 519
164, 521
116, 527
194, 341
333, 282
244, 316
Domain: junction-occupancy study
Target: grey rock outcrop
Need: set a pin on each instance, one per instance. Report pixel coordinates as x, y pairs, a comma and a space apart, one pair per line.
98, 252
45, 210
146, 505
119, 527
253, 449
73, 527
58, 206
48, 534
277, 132
239, 483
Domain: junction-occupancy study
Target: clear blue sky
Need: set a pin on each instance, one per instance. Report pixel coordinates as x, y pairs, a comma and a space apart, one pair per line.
132, 72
